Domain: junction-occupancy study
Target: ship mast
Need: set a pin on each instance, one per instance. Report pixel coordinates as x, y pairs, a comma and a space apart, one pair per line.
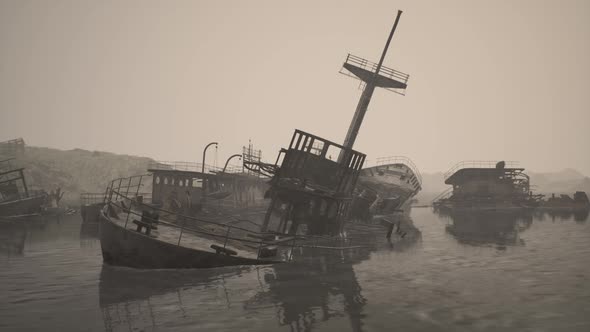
373, 75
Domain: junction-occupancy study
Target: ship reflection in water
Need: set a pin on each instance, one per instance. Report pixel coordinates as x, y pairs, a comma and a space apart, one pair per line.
300, 298
580, 216
501, 228
465, 272
317, 287
308, 294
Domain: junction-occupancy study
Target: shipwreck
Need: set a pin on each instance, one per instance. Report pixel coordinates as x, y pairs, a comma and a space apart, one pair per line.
262, 212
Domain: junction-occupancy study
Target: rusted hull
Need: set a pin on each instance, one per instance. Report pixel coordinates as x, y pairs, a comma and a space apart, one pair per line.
20, 207
125, 247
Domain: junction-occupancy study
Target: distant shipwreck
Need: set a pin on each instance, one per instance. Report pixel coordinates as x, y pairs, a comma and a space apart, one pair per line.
488, 185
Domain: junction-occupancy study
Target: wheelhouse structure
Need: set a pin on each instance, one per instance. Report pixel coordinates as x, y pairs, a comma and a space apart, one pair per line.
310, 192
487, 184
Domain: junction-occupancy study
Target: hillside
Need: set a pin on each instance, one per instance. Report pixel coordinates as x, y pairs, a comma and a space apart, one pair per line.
76, 171
566, 181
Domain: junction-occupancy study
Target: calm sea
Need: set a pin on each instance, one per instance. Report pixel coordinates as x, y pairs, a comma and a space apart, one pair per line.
485, 272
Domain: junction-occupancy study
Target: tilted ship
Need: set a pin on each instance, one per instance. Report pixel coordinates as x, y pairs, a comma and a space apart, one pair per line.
309, 199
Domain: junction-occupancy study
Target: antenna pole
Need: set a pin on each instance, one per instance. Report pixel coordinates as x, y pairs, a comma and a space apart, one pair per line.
399, 13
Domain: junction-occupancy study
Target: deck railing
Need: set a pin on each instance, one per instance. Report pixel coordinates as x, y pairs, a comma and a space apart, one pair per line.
445, 194
94, 198
129, 185
191, 167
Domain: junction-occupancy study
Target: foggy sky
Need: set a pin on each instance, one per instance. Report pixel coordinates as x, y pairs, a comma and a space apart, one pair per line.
489, 80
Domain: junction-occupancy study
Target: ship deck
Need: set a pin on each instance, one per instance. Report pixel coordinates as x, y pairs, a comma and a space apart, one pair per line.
199, 237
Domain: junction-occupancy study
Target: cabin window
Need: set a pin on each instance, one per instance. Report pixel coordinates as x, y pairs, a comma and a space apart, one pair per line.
186, 182
166, 180
333, 152
197, 183
157, 180
181, 183
317, 147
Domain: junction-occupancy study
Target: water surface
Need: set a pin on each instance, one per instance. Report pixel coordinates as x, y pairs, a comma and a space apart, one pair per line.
467, 273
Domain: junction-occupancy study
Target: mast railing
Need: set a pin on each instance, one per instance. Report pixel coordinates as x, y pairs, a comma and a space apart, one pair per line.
372, 67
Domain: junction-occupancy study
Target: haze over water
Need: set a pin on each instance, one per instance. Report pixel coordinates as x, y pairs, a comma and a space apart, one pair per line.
517, 273
489, 80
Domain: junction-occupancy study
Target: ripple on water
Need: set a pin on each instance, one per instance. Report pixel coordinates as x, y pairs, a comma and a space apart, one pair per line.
530, 275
